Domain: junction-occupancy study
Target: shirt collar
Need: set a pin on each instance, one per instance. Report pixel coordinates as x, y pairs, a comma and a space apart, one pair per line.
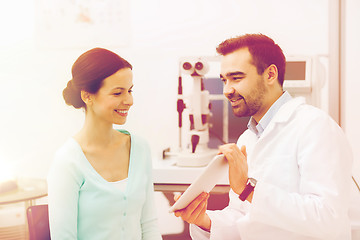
258, 128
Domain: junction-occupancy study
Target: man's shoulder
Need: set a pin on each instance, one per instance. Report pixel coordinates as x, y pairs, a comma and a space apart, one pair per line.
307, 112
298, 110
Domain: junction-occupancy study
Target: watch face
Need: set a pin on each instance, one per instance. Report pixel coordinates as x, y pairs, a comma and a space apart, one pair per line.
252, 181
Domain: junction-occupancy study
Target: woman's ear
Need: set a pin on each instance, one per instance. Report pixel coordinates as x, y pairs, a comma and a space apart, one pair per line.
86, 97
271, 74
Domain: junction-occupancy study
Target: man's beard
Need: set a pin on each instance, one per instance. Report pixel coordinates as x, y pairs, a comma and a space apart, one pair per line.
250, 104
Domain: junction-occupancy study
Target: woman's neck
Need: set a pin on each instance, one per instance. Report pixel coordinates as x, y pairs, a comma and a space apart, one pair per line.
96, 132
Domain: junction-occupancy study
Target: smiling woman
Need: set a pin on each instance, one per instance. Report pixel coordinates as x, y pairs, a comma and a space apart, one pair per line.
114, 99
100, 184
89, 72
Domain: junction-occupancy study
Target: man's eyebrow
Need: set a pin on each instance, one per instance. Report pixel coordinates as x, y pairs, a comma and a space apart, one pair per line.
230, 74
235, 73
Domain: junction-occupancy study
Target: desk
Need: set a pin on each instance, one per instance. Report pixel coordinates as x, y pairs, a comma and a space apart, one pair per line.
28, 191
167, 188
169, 178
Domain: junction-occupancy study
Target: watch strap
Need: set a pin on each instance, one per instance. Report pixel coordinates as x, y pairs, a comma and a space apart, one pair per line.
248, 189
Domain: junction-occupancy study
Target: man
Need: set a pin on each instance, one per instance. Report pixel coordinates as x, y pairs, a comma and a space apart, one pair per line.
290, 172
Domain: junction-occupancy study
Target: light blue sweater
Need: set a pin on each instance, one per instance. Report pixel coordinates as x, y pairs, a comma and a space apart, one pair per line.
83, 205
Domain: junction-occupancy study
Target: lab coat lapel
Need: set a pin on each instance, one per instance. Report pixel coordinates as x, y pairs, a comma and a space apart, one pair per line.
282, 116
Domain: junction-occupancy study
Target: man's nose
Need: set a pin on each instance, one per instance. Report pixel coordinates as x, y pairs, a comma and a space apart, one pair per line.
228, 91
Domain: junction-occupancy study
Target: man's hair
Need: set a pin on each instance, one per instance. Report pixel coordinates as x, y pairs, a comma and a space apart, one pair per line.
263, 50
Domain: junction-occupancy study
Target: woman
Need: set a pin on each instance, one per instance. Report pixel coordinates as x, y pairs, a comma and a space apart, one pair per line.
100, 184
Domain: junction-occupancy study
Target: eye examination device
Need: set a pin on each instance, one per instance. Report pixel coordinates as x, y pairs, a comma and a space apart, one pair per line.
194, 137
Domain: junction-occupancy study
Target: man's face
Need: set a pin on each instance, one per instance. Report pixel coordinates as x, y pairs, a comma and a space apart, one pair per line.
243, 86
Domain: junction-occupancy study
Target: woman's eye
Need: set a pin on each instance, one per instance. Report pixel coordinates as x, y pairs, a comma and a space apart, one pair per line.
117, 93
130, 91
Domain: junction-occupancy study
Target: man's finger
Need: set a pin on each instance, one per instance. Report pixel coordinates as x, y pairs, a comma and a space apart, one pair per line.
176, 197
243, 150
199, 210
194, 209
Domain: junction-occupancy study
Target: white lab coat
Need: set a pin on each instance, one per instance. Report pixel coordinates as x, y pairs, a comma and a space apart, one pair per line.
302, 162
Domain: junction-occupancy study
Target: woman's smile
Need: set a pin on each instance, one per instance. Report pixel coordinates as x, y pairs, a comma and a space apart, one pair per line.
122, 112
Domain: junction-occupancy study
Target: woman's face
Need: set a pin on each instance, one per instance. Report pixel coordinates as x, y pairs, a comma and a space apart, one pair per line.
114, 99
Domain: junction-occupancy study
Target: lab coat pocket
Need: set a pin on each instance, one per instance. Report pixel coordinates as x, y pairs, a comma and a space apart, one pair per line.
281, 171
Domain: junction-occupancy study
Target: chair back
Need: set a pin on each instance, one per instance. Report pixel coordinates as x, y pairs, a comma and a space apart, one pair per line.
38, 222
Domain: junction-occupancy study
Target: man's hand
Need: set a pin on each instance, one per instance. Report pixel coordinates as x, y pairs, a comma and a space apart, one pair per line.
195, 213
238, 168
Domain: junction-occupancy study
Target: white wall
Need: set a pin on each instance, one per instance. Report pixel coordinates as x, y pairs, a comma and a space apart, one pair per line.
350, 98
35, 121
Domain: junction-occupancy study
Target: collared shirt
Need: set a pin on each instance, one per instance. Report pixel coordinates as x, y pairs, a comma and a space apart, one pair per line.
258, 128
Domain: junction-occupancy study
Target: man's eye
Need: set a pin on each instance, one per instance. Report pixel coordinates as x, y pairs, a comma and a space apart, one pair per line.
130, 91
223, 80
117, 93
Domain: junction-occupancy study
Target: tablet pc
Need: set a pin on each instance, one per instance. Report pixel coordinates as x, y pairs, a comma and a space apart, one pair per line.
206, 181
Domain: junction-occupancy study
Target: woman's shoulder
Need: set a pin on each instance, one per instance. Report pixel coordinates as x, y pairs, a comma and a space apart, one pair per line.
69, 151
67, 163
140, 149
136, 140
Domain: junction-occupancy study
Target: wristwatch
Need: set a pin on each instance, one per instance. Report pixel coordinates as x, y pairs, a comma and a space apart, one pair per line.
250, 185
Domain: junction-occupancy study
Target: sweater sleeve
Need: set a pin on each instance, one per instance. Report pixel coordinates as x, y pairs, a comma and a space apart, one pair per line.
63, 192
149, 223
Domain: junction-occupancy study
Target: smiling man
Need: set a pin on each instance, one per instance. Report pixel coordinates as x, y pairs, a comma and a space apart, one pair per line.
290, 172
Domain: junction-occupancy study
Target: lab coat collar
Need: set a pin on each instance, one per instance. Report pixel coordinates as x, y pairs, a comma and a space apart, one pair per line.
284, 114
258, 128
287, 110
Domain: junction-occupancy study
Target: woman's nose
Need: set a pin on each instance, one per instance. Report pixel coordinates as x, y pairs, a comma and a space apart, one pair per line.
129, 100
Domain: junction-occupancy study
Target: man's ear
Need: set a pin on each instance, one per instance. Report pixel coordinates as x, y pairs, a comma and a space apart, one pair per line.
86, 97
271, 74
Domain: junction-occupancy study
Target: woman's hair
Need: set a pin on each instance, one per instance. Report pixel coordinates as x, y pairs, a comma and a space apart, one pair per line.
264, 52
88, 73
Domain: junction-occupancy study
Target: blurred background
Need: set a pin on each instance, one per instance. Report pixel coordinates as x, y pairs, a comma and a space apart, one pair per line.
41, 39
